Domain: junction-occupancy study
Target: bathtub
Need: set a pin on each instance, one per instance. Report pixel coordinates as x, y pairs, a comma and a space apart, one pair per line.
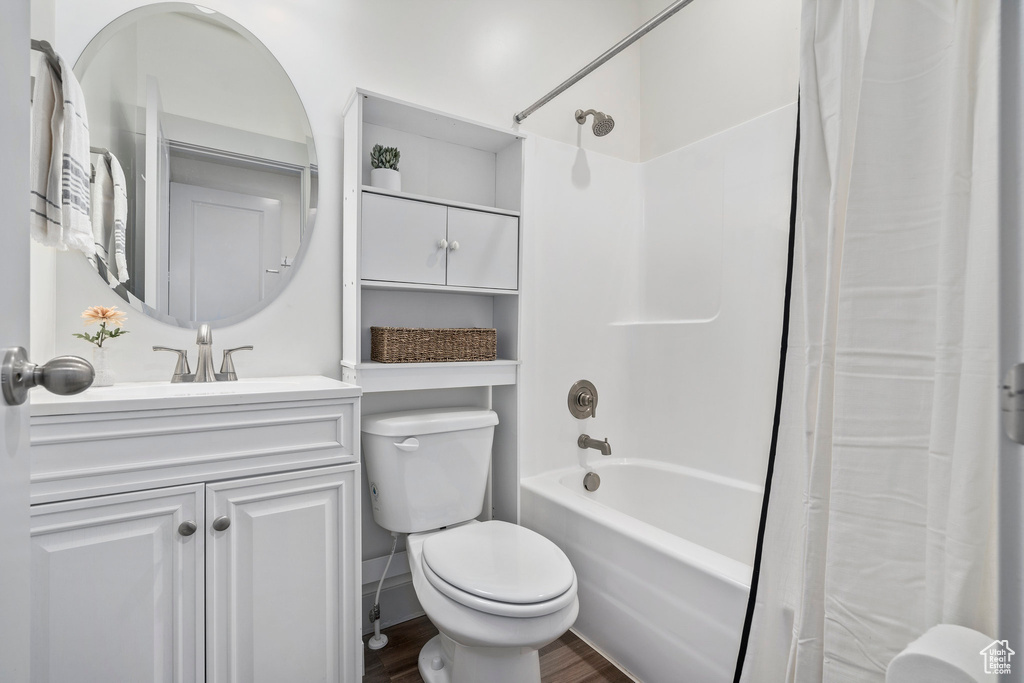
663, 558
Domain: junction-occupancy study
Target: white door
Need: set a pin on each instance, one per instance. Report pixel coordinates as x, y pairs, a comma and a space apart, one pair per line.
224, 251
117, 588
483, 250
14, 463
1011, 332
157, 180
280, 582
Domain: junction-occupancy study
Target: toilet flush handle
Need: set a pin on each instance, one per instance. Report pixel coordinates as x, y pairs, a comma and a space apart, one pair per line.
409, 445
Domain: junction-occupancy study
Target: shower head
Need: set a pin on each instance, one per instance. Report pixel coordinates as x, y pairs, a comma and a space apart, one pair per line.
603, 123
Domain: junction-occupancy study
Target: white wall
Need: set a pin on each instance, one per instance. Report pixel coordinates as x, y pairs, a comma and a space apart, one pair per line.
580, 258
706, 349
681, 326
662, 282
715, 65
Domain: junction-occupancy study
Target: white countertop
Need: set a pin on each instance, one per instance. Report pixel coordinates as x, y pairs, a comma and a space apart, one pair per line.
160, 395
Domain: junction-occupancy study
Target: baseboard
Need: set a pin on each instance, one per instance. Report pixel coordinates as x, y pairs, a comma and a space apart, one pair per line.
398, 603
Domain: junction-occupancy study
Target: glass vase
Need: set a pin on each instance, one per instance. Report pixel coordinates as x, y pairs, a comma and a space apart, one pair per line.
104, 377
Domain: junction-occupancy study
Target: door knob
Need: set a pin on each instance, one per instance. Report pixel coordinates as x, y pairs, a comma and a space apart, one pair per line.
221, 523
187, 528
63, 375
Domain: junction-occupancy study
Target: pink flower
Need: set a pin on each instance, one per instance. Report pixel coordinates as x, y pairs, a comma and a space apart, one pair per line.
103, 314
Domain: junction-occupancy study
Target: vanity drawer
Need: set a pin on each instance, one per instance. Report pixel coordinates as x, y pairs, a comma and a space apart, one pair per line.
90, 454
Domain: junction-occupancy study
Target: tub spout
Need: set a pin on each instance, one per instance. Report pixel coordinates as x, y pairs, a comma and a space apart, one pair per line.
586, 442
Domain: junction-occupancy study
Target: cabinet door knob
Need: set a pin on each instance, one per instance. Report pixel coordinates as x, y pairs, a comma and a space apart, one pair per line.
187, 528
221, 523
442, 244
454, 246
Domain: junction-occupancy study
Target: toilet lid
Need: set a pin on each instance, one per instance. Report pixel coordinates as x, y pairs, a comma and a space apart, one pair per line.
499, 561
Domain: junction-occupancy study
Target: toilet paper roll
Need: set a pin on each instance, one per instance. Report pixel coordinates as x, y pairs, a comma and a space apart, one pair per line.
944, 654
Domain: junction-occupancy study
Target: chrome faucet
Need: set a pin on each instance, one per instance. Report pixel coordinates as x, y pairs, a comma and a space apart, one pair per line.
586, 442
204, 370
204, 365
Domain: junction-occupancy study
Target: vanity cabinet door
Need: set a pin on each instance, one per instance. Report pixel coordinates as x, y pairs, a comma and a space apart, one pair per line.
403, 240
117, 590
483, 249
282, 574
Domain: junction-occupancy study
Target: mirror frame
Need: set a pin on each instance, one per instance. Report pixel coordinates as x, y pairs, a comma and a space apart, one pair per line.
93, 48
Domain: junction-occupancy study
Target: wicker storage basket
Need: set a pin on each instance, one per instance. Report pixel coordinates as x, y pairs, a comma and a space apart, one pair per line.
416, 345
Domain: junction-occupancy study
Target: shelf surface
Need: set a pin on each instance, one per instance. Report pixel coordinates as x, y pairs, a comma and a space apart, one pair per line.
437, 200
442, 289
374, 377
381, 110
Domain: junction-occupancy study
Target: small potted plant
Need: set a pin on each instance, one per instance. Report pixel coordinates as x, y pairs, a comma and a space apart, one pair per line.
384, 173
104, 316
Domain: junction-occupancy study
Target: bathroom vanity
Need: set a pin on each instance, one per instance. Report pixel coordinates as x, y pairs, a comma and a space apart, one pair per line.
197, 532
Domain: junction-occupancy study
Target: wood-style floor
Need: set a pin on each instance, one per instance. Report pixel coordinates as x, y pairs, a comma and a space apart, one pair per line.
567, 660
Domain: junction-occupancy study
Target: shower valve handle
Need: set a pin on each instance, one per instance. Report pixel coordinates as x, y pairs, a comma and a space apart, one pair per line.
583, 399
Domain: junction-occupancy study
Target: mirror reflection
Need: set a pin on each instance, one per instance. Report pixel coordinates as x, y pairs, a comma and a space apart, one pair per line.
218, 164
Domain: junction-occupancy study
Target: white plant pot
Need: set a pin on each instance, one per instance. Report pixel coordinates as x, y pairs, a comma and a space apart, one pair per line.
386, 179
100, 363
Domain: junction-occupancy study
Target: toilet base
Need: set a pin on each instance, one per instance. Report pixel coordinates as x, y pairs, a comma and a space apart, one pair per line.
461, 664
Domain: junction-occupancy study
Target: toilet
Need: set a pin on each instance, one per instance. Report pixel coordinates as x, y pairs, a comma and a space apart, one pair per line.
496, 592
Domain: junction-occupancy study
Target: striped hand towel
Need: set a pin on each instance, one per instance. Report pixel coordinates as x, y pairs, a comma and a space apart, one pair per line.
120, 218
45, 156
76, 228
102, 214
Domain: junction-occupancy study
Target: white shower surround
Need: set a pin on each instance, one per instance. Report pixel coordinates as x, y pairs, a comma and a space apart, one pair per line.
662, 554
663, 283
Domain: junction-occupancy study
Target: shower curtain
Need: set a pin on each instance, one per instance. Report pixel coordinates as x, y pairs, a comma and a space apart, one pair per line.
882, 516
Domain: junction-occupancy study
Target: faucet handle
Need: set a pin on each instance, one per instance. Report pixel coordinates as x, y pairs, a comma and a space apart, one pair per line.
181, 369
227, 366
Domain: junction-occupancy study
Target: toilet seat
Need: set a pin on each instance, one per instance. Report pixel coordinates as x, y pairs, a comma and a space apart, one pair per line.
499, 568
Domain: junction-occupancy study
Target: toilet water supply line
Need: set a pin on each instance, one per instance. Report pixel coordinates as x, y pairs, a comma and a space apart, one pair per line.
379, 640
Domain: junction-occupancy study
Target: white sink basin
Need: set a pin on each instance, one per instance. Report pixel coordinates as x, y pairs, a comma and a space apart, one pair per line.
155, 395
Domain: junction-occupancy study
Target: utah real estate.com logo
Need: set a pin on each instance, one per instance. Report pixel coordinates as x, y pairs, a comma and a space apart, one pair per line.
997, 657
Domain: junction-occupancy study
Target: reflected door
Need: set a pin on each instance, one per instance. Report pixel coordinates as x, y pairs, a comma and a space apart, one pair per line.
224, 251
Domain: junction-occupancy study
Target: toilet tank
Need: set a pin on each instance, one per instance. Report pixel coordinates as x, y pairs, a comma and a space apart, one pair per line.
427, 468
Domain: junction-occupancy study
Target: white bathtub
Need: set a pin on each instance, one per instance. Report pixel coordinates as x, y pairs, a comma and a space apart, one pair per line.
663, 557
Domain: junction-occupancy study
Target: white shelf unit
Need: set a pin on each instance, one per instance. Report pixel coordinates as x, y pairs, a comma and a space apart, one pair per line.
458, 176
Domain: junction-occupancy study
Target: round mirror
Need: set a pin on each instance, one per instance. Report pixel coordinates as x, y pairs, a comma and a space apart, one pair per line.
204, 175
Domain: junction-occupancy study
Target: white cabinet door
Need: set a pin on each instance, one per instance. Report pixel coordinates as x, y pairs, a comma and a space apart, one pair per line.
117, 589
282, 578
402, 240
483, 250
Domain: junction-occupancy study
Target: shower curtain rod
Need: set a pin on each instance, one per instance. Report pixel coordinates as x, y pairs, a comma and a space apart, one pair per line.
616, 49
